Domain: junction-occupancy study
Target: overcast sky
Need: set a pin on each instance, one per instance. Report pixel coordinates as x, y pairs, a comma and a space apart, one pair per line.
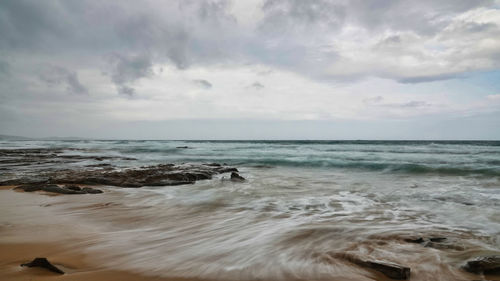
270, 69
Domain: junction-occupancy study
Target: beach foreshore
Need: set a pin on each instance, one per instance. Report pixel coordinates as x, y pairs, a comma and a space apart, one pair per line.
35, 225
28, 231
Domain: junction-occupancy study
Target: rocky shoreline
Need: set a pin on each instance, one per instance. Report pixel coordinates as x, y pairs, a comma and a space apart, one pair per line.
47, 174
158, 175
49, 170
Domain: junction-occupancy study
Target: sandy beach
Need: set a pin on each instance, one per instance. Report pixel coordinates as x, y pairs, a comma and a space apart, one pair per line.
27, 232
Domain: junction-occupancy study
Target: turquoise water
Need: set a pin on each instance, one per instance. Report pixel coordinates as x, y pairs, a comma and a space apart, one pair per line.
459, 158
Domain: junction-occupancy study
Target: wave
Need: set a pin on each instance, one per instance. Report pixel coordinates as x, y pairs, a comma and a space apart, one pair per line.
357, 142
456, 169
410, 168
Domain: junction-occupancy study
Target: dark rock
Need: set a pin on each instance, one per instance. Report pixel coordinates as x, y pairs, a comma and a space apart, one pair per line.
443, 246
30, 188
23, 181
182, 147
49, 188
389, 269
437, 239
212, 164
91, 190
44, 263
236, 177
226, 170
73, 187
487, 265
60, 190
159, 175
441, 243
415, 240
99, 165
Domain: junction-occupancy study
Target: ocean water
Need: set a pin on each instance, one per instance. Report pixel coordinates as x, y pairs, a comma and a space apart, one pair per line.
304, 205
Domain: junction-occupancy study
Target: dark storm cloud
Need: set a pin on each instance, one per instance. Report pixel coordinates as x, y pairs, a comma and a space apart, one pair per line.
127, 69
170, 31
203, 83
56, 75
28, 24
295, 35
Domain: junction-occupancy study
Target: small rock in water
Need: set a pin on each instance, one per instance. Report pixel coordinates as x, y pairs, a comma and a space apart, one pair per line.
91, 190
73, 187
183, 147
236, 177
415, 240
440, 243
443, 246
44, 263
437, 239
61, 190
488, 265
389, 269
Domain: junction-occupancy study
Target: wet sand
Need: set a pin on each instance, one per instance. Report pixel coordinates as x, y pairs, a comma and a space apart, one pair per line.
39, 224
25, 234
72, 261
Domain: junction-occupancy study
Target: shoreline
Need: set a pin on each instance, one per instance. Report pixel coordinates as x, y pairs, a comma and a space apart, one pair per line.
72, 249
65, 248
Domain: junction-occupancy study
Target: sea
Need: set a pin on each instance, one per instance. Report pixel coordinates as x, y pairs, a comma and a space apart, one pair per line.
303, 210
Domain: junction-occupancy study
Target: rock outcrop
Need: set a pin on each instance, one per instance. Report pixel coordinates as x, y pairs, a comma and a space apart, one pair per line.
236, 177
441, 243
68, 189
43, 263
159, 175
392, 270
486, 265
389, 269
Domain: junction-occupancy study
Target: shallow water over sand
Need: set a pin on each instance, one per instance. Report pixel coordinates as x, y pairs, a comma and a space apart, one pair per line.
299, 221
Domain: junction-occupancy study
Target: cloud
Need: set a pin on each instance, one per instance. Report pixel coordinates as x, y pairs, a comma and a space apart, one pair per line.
429, 78
379, 101
257, 85
410, 104
316, 59
127, 69
56, 75
203, 83
407, 41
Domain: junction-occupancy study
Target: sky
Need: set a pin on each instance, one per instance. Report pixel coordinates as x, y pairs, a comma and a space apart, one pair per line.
263, 69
